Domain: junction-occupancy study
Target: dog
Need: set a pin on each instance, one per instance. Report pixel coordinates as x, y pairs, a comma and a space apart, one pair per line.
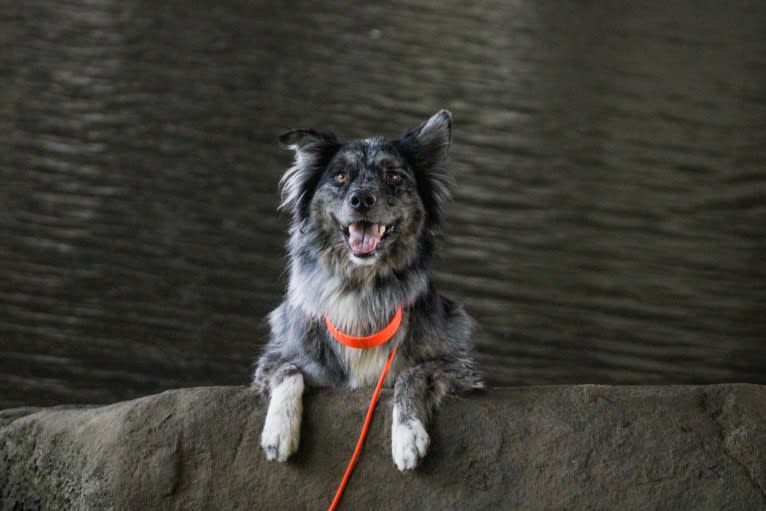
366, 217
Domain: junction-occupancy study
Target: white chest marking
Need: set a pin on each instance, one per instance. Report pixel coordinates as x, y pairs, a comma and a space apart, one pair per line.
363, 365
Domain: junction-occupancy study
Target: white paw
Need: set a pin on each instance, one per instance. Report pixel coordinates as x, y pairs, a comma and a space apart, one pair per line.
282, 428
409, 443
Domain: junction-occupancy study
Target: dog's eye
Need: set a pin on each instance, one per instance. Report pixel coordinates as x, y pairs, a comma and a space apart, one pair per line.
341, 177
391, 177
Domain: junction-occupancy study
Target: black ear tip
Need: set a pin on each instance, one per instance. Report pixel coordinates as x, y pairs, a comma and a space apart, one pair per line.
303, 138
287, 138
443, 117
442, 120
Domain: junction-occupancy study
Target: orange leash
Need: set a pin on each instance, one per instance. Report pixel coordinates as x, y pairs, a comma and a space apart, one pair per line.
363, 435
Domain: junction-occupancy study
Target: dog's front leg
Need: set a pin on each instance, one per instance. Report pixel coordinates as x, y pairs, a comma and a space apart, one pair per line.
282, 428
417, 392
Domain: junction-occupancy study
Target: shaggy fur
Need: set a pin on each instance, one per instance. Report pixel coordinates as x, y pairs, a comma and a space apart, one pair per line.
366, 216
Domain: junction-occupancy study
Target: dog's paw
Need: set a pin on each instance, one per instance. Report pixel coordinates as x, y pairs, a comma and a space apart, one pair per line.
409, 443
282, 428
280, 437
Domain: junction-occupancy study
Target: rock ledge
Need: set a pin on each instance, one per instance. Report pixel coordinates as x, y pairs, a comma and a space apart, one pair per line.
569, 447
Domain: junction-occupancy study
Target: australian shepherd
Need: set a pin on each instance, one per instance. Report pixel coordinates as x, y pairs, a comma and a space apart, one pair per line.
366, 218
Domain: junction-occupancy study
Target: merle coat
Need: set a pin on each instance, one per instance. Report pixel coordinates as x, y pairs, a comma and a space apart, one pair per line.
366, 219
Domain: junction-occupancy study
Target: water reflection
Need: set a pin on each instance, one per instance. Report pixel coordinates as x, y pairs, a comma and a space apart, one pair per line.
607, 224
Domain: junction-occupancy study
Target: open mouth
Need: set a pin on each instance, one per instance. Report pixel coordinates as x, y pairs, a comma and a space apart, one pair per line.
364, 237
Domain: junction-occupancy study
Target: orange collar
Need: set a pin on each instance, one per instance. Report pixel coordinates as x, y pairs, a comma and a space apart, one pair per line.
370, 341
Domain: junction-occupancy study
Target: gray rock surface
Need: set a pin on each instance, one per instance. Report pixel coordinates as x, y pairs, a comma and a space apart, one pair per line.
573, 447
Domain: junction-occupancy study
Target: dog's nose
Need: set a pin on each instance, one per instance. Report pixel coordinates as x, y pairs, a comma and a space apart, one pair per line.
362, 200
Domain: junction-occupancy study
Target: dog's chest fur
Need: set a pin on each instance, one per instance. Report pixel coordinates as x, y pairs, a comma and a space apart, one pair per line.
363, 366
360, 312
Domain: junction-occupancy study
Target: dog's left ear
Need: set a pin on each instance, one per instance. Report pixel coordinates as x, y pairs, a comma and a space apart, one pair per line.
427, 147
313, 151
306, 141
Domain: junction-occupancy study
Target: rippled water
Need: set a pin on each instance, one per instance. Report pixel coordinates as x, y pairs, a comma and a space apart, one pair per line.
608, 223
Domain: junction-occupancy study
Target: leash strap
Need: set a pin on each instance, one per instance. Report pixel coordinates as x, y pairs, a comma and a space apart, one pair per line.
363, 435
370, 341
365, 427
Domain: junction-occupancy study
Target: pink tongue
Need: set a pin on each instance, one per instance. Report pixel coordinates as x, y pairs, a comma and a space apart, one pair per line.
363, 238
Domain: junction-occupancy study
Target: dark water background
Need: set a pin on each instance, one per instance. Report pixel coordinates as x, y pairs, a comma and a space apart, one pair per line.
608, 223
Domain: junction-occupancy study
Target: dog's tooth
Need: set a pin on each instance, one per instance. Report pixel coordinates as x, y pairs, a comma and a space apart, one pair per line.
353, 227
381, 229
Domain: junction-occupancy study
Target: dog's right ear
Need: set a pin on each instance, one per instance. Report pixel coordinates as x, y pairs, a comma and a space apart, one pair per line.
313, 151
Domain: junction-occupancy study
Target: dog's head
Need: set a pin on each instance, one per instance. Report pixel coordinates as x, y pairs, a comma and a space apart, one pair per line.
370, 203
